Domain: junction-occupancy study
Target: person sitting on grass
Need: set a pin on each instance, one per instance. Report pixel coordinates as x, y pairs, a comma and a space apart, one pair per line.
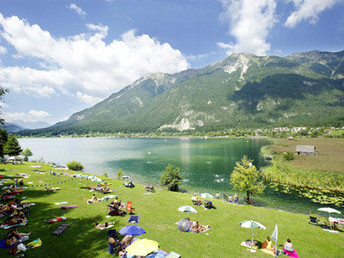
268, 244
288, 246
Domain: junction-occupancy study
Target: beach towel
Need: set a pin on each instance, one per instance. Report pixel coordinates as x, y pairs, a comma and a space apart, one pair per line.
59, 203
148, 193
109, 226
69, 207
51, 221
60, 229
15, 225
291, 254
248, 244
106, 198
134, 219
267, 251
35, 243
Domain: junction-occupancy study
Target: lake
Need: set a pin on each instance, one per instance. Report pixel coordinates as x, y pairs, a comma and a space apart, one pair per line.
205, 164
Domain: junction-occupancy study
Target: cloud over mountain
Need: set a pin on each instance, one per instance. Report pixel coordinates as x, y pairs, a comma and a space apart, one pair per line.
83, 65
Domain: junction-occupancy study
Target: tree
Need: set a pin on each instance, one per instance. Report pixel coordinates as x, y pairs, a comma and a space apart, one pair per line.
171, 178
3, 140
119, 174
12, 147
2, 93
75, 165
27, 153
245, 177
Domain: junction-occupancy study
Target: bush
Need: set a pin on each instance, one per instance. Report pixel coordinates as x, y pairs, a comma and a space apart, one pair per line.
288, 156
75, 165
119, 174
171, 178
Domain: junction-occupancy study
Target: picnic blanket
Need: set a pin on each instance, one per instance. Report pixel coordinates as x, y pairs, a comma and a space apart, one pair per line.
69, 207
60, 229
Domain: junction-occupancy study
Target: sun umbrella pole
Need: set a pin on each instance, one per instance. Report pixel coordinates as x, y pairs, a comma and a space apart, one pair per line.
252, 240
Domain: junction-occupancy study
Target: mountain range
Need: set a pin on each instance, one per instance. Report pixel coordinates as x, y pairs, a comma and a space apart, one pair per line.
241, 91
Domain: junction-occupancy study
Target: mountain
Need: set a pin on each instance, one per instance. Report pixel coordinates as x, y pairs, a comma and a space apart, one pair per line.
241, 91
12, 128
30, 125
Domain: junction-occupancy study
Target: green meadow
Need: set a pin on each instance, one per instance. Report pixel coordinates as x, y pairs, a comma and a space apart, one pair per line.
158, 214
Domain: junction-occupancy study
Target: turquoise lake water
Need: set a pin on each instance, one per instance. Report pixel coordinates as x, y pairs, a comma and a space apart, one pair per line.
205, 164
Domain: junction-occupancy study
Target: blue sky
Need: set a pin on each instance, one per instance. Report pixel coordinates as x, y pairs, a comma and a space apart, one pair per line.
58, 57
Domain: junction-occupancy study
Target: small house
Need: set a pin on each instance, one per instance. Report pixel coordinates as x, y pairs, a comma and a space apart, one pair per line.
305, 150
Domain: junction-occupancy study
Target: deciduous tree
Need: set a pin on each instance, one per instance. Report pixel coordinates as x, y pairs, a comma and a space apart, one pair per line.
246, 177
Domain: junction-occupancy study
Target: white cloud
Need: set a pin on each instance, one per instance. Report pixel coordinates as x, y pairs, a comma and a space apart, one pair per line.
3, 50
308, 10
83, 65
250, 23
77, 9
31, 116
3, 105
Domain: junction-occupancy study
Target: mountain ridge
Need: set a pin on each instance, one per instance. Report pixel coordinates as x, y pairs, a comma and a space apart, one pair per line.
243, 90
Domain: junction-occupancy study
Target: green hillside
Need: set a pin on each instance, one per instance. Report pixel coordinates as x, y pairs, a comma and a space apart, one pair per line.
242, 91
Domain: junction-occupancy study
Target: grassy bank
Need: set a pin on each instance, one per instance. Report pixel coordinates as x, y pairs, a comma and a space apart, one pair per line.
158, 214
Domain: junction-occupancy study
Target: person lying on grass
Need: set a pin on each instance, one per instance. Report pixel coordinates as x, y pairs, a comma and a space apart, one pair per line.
12, 239
104, 225
16, 219
93, 199
198, 228
7, 210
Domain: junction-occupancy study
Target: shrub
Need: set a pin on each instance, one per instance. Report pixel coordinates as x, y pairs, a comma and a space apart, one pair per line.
119, 174
75, 165
288, 156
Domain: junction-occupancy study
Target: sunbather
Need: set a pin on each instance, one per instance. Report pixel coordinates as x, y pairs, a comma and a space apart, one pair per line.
93, 199
268, 244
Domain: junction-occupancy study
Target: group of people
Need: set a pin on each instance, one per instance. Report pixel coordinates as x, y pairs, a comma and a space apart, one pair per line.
230, 198
288, 248
116, 208
13, 211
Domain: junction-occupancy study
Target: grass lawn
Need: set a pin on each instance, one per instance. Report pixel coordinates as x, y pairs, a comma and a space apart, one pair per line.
158, 214
330, 154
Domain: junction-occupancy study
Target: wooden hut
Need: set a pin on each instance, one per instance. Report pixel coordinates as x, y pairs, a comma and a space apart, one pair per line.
305, 150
